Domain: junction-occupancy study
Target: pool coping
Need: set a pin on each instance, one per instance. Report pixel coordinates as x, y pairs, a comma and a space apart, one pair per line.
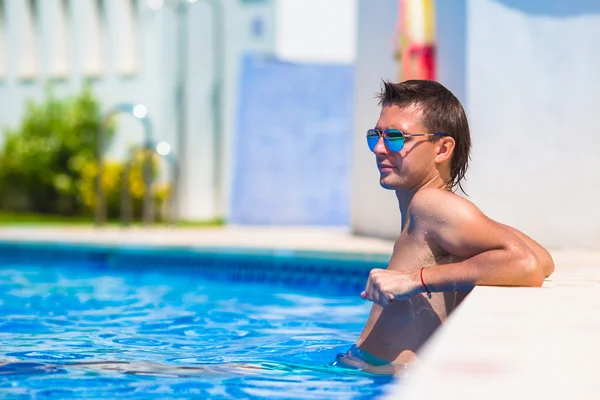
336, 241
521, 343
491, 347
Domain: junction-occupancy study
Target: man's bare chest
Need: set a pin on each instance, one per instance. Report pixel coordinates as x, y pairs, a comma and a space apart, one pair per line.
414, 250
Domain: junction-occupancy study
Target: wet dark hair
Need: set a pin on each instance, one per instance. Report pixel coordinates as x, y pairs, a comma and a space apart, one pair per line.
442, 112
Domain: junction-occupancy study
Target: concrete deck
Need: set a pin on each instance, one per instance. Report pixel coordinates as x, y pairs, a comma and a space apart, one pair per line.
296, 238
520, 343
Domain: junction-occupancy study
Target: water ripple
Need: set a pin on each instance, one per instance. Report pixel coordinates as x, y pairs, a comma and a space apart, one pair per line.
48, 355
229, 340
138, 342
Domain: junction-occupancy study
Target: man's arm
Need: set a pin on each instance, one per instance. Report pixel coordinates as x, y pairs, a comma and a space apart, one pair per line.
542, 254
491, 253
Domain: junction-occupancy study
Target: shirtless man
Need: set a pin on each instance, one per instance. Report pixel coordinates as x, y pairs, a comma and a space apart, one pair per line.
447, 245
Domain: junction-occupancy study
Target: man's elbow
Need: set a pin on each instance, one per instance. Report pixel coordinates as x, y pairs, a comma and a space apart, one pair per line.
538, 265
532, 270
547, 263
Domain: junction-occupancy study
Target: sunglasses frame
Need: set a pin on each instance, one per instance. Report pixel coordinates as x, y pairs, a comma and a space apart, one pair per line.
401, 138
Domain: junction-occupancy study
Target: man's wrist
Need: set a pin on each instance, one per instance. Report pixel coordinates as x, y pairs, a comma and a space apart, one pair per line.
422, 285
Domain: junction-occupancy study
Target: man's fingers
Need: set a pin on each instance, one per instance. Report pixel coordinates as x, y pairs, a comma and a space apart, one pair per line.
383, 301
383, 287
369, 289
373, 291
371, 294
378, 290
367, 294
378, 295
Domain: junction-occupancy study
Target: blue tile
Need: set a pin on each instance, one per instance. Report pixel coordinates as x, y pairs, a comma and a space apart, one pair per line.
314, 271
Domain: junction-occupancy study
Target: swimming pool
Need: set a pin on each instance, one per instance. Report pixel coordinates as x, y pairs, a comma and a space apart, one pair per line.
169, 323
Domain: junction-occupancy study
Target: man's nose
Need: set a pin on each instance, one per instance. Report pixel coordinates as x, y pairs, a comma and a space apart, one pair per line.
380, 147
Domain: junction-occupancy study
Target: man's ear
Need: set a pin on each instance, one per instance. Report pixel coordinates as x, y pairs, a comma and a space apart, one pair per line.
445, 148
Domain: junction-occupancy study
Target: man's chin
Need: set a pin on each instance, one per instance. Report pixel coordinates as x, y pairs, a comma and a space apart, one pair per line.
388, 185
392, 182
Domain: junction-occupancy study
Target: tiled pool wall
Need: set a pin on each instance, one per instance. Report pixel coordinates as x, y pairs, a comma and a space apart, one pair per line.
339, 273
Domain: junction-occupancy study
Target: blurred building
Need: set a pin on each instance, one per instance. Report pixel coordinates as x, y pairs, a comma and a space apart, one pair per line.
141, 51
274, 88
128, 49
526, 72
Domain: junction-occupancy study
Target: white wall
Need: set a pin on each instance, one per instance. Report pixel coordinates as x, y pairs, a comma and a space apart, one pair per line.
316, 30
374, 210
451, 26
533, 84
528, 75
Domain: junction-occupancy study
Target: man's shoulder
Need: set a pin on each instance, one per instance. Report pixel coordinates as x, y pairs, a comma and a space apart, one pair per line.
432, 197
440, 203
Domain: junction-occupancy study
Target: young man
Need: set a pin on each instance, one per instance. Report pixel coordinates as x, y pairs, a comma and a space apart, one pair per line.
447, 245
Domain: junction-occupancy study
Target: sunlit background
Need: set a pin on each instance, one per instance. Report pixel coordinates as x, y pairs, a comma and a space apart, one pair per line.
253, 112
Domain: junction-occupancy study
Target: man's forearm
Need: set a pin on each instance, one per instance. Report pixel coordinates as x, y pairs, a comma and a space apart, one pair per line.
490, 268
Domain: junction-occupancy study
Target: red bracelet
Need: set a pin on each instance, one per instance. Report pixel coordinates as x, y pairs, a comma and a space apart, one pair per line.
424, 285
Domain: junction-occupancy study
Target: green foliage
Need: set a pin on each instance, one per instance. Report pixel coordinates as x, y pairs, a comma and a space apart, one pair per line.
47, 164
41, 160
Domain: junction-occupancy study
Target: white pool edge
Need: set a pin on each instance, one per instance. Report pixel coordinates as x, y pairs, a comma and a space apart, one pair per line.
518, 343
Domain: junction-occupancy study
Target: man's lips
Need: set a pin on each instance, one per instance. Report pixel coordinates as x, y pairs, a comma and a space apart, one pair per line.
383, 167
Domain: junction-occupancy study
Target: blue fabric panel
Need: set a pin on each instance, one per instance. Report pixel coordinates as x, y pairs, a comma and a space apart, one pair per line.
293, 144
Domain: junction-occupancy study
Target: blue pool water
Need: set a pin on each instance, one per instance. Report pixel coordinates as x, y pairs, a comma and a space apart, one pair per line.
183, 333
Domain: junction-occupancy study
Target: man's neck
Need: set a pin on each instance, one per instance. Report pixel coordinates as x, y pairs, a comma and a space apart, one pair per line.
405, 197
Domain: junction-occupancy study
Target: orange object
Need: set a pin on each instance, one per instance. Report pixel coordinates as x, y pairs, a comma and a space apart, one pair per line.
415, 50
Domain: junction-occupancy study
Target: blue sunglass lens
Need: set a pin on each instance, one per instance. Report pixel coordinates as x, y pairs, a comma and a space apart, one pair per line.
395, 144
372, 142
394, 140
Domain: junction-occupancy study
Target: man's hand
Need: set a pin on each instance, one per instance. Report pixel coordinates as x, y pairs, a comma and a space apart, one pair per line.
384, 286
